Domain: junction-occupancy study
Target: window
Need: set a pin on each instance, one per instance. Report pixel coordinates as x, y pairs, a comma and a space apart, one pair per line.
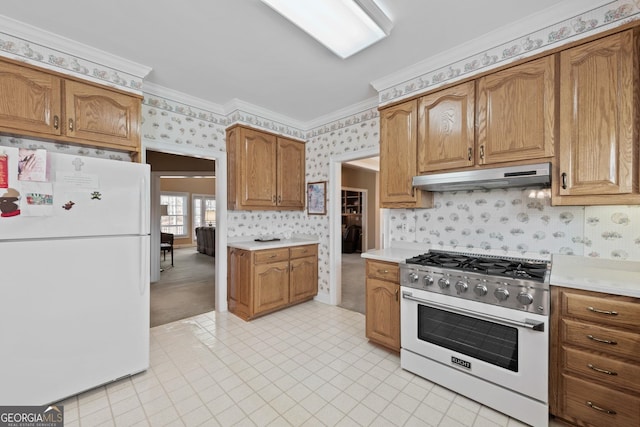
204, 211
177, 220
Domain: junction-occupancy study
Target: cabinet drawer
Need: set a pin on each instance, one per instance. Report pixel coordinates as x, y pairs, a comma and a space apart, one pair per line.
271, 255
602, 308
600, 338
383, 270
303, 251
606, 369
590, 402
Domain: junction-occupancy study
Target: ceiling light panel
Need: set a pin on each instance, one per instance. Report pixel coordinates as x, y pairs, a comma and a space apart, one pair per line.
343, 26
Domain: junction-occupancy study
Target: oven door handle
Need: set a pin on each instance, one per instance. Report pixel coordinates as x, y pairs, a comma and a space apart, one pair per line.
528, 323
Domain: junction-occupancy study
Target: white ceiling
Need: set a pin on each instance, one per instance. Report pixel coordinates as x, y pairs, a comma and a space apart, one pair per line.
221, 50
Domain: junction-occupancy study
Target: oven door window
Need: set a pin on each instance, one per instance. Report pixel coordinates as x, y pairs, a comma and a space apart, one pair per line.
487, 341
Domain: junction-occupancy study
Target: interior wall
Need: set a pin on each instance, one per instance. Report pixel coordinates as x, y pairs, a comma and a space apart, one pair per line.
191, 186
164, 162
354, 177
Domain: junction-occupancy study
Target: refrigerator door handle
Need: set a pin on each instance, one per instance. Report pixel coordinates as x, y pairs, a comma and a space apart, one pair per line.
144, 255
144, 205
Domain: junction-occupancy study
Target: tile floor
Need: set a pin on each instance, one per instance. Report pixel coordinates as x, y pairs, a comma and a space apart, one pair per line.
308, 365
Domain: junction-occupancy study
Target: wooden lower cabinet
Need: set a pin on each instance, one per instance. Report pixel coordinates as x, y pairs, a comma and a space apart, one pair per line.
595, 358
263, 281
383, 304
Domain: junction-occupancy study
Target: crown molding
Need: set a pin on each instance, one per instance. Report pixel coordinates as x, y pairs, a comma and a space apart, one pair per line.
31, 34
246, 107
350, 110
183, 98
512, 31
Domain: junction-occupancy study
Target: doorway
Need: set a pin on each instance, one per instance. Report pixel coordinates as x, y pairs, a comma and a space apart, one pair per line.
354, 172
186, 285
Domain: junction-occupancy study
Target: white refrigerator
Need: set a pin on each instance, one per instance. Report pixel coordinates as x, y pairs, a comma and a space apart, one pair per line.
74, 287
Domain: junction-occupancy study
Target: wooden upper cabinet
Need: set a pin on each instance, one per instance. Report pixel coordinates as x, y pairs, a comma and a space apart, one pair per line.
599, 117
258, 168
98, 114
44, 104
30, 100
291, 173
264, 171
398, 157
516, 113
446, 129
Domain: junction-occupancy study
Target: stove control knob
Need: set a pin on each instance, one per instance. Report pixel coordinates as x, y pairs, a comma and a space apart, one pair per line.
443, 283
413, 277
502, 294
428, 280
524, 298
461, 286
480, 290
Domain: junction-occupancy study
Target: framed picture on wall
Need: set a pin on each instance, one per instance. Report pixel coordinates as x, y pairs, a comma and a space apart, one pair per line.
317, 198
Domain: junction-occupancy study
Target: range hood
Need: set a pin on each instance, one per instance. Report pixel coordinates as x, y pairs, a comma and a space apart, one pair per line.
536, 175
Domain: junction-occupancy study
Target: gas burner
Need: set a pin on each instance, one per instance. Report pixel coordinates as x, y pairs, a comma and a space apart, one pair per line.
520, 268
518, 283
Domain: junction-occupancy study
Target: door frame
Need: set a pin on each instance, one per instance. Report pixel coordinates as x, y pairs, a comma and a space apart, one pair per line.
220, 158
335, 217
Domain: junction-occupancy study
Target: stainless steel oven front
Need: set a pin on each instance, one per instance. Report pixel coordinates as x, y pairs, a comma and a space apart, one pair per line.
495, 355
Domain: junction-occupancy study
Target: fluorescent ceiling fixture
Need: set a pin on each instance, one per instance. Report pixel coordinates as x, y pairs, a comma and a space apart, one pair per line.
344, 26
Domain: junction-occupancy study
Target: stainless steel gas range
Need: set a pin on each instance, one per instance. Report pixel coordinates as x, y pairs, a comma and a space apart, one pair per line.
479, 325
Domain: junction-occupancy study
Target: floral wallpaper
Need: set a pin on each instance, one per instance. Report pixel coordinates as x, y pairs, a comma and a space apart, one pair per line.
60, 147
37, 54
585, 24
508, 221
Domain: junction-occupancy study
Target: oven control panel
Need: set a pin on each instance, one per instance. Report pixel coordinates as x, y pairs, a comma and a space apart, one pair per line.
518, 294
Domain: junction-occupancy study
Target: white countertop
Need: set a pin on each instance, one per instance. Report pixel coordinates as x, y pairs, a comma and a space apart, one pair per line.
596, 274
251, 245
398, 255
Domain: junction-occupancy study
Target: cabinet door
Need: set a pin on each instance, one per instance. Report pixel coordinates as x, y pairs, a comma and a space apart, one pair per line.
97, 114
446, 129
516, 113
239, 282
291, 173
257, 156
271, 286
30, 100
383, 313
597, 108
303, 282
398, 157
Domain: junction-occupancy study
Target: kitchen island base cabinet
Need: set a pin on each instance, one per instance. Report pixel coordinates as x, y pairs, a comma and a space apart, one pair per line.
383, 304
595, 358
264, 281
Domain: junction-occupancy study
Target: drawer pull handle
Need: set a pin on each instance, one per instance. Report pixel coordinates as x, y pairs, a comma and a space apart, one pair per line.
383, 271
603, 371
608, 313
597, 408
592, 338
56, 122
273, 256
